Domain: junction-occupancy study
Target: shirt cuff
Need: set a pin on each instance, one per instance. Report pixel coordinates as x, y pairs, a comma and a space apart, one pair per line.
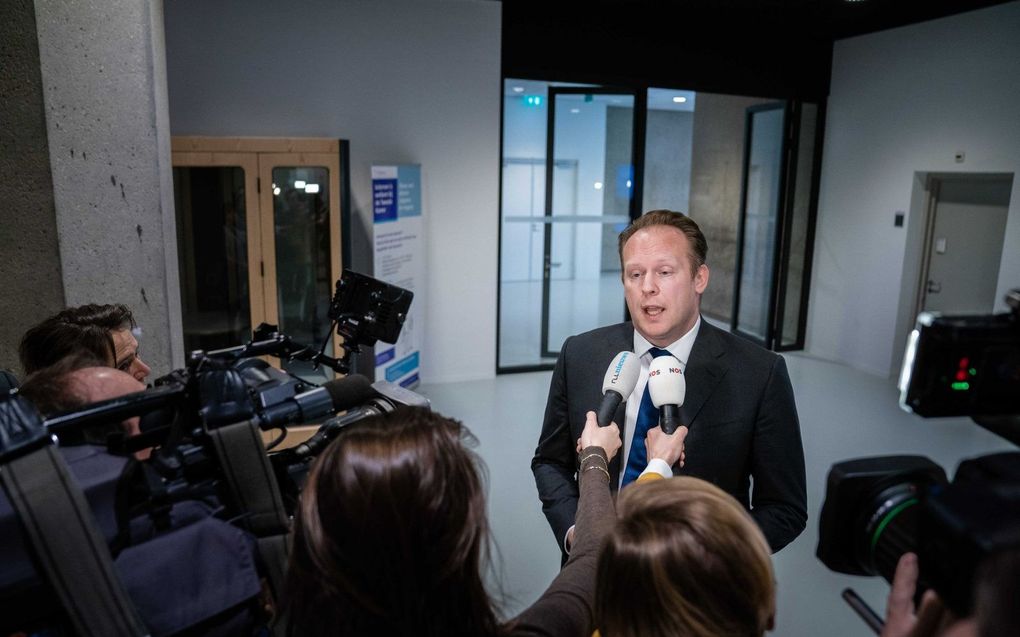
566, 547
659, 466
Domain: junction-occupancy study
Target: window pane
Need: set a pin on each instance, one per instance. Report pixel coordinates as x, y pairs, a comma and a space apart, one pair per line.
760, 215
303, 283
212, 252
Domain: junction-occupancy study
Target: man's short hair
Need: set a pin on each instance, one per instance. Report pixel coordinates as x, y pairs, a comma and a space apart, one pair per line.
678, 220
86, 328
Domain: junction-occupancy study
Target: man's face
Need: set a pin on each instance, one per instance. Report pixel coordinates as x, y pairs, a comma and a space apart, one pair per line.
663, 298
126, 348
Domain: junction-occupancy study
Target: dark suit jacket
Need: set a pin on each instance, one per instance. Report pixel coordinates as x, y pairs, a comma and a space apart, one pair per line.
740, 410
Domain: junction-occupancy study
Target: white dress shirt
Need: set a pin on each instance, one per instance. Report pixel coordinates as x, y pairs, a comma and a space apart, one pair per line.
681, 350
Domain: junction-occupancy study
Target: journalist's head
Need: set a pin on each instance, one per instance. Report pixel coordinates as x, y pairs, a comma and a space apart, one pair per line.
391, 533
103, 331
685, 558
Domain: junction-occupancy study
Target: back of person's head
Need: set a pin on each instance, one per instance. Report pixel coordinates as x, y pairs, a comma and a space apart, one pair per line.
391, 533
86, 328
73, 382
55, 388
684, 559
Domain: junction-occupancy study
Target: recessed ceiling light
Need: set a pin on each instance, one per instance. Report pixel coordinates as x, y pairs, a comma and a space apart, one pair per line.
598, 185
679, 99
575, 110
312, 188
518, 89
299, 184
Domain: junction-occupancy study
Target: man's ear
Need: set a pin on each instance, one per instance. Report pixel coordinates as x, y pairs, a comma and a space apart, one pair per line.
701, 279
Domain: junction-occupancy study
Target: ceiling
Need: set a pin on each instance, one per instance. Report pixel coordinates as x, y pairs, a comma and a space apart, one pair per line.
771, 48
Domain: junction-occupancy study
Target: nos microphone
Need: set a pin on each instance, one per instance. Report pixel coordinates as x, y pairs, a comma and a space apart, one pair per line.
618, 385
667, 387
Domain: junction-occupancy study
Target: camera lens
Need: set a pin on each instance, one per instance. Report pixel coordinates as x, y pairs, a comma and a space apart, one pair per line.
888, 528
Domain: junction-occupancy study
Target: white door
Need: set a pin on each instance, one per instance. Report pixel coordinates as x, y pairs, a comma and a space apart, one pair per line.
965, 246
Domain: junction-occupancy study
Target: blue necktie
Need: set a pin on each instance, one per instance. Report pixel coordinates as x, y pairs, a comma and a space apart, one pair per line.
648, 417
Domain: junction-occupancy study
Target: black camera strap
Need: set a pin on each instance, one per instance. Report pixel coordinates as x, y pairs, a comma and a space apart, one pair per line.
70, 552
253, 485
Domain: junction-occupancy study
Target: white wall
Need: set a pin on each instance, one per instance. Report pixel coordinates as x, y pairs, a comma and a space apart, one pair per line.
406, 82
904, 101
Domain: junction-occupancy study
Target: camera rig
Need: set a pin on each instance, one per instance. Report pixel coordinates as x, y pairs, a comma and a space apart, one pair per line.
878, 508
203, 424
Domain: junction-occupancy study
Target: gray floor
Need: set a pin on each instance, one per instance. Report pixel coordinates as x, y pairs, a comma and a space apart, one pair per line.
844, 414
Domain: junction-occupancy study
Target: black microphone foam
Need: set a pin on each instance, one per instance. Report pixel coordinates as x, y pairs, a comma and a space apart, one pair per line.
349, 392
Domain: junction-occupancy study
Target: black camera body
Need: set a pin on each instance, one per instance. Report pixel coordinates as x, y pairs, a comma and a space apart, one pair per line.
876, 509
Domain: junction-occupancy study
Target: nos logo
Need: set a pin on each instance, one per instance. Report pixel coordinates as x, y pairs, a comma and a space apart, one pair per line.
659, 372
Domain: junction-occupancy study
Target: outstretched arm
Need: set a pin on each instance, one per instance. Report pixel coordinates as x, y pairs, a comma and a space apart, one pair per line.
566, 607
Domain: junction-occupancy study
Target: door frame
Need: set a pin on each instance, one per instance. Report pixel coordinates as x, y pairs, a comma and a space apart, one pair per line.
780, 251
257, 155
637, 150
933, 185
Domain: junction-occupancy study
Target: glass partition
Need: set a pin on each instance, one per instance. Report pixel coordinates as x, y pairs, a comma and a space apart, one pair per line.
212, 252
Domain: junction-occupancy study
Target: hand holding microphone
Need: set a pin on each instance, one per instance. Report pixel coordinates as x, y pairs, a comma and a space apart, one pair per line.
618, 385
667, 388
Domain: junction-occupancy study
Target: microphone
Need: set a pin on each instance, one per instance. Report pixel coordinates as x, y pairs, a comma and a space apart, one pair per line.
618, 385
373, 400
667, 388
327, 399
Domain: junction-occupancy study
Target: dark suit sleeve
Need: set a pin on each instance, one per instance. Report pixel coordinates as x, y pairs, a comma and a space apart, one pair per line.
779, 496
555, 457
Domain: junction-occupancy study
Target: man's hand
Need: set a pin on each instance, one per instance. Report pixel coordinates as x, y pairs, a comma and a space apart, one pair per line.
606, 437
667, 447
929, 620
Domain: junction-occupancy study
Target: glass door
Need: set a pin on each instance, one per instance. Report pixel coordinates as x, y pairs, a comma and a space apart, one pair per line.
259, 240
591, 177
778, 197
301, 244
216, 205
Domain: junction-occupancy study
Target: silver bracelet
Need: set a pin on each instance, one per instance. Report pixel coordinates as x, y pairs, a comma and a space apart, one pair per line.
598, 468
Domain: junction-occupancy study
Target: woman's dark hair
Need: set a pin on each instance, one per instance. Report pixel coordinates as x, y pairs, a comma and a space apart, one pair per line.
391, 533
84, 329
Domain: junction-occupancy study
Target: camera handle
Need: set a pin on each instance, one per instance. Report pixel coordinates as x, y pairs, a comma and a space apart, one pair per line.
865, 612
268, 341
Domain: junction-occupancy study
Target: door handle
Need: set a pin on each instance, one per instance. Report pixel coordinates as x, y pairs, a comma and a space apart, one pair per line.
934, 287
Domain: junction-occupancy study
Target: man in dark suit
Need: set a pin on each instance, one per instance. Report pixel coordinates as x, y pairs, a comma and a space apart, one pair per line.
739, 411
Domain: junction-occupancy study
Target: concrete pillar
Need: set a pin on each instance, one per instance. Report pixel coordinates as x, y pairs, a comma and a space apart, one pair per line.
104, 87
30, 278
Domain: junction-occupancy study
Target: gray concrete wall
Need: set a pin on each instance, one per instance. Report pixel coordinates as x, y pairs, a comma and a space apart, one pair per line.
716, 166
668, 160
104, 86
29, 255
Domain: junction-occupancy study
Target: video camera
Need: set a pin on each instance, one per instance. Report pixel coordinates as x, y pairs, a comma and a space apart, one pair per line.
876, 509
203, 425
